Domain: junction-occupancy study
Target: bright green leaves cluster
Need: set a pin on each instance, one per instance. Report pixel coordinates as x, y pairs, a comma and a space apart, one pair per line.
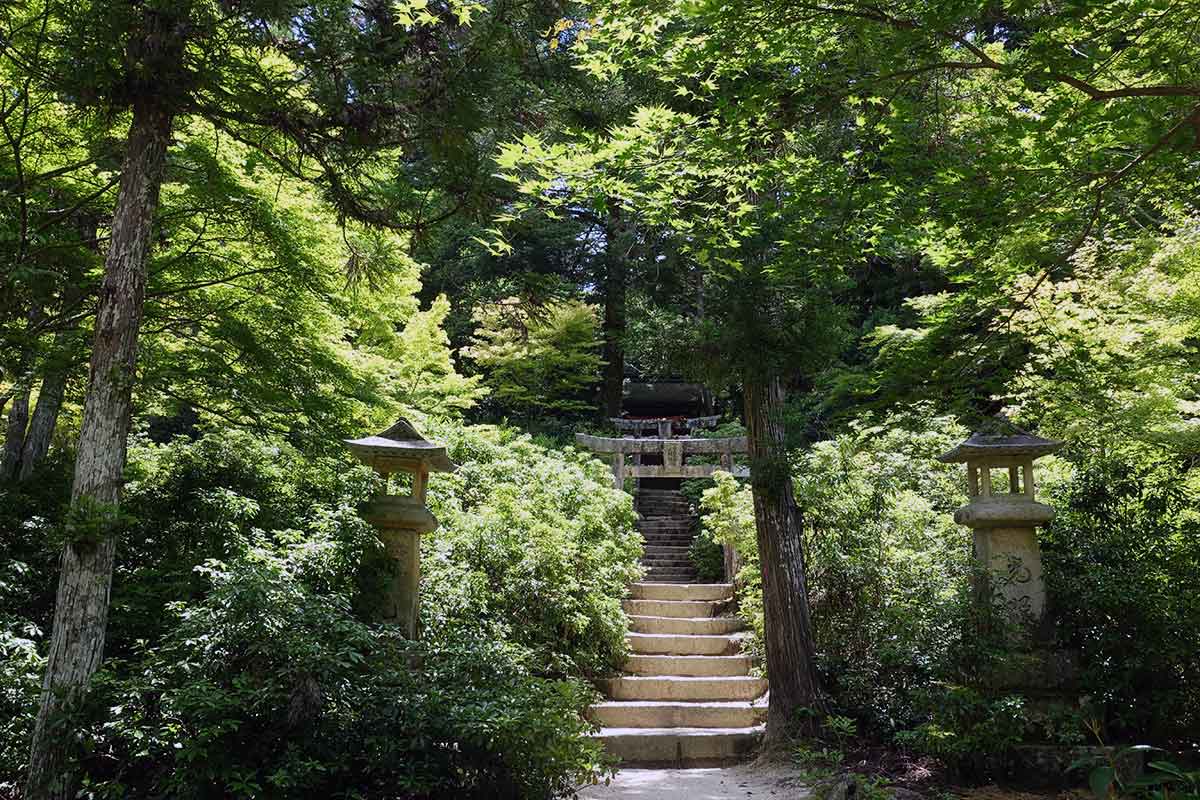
537, 360
264, 310
536, 542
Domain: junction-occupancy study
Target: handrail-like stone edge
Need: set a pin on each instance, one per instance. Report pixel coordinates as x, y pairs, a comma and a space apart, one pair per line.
641, 424
606, 444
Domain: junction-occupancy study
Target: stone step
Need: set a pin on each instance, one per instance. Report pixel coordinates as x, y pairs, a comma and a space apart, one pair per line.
680, 746
667, 550
671, 574
675, 687
668, 539
699, 626
658, 562
700, 591
676, 714
671, 608
693, 666
682, 644
664, 522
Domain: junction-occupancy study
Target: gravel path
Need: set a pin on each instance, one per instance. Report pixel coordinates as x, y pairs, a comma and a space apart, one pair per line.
744, 780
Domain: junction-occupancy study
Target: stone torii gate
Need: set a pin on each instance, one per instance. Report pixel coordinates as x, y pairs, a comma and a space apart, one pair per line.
673, 452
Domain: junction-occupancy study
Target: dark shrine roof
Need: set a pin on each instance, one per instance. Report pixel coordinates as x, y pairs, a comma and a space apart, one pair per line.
401, 440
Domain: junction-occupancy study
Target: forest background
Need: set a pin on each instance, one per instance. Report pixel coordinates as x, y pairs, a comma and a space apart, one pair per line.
878, 226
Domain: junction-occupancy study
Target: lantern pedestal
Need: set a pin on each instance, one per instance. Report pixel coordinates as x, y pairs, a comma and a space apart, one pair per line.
1012, 560
1006, 549
400, 521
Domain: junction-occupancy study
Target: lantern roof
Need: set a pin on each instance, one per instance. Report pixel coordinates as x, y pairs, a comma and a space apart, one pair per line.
1000, 438
401, 441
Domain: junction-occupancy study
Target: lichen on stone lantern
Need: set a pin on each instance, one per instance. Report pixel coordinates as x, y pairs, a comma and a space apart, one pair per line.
400, 519
1005, 523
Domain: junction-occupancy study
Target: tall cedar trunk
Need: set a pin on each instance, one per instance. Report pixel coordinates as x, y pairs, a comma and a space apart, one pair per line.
45, 419
57, 371
616, 278
85, 576
790, 664
14, 435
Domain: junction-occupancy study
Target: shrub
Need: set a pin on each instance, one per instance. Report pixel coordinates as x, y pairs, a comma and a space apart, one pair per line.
188, 502
708, 556
21, 667
728, 519
242, 660
536, 542
887, 566
269, 688
1122, 561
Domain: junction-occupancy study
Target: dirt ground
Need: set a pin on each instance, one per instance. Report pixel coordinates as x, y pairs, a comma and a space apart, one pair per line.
717, 783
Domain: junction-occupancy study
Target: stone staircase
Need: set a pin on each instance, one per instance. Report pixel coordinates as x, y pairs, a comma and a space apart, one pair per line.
687, 698
666, 524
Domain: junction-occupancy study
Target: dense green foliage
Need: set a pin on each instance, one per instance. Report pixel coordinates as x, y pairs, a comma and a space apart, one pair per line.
890, 576
538, 360
243, 659
1121, 562
909, 216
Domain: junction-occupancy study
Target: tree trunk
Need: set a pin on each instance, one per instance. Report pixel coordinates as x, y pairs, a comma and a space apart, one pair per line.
790, 663
14, 435
85, 577
57, 369
616, 278
45, 419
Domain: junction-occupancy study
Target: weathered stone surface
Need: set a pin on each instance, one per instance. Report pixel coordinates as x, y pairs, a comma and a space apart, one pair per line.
679, 714
683, 746
671, 608
690, 699
629, 455
695, 591
697, 666
694, 626
845, 786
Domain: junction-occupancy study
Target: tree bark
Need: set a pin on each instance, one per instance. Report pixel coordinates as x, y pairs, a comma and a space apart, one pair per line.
14, 434
86, 565
44, 421
791, 665
56, 372
616, 279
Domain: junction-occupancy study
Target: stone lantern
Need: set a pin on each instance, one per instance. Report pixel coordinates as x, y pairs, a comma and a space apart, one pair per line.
403, 456
1005, 523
